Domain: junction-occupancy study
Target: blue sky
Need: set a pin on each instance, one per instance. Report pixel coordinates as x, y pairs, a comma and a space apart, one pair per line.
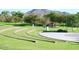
72, 11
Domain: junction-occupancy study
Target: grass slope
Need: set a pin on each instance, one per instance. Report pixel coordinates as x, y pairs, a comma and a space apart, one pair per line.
17, 39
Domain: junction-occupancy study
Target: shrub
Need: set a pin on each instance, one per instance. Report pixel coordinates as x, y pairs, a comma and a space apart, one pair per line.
59, 30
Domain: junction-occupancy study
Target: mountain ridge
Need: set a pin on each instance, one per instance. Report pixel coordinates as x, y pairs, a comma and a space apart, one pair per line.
42, 12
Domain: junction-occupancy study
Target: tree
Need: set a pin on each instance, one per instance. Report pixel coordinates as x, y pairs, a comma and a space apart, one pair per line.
31, 19
77, 19
5, 16
52, 18
17, 16
70, 20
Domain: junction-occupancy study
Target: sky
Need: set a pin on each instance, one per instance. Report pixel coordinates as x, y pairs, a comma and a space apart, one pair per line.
72, 11
71, 6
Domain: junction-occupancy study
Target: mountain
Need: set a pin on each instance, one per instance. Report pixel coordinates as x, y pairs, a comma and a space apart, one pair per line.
39, 12
42, 12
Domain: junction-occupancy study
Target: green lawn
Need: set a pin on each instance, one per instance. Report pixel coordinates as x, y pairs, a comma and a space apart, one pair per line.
23, 37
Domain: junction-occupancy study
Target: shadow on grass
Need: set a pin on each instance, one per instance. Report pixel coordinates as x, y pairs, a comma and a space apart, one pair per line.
35, 38
18, 38
22, 24
74, 43
38, 38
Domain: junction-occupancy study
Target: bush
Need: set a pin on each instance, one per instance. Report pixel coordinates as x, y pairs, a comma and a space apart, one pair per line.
21, 24
59, 30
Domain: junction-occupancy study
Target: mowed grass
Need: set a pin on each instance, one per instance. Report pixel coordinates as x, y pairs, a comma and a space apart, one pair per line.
17, 39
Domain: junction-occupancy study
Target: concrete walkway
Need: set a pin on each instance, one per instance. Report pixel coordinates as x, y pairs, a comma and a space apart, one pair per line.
62, 36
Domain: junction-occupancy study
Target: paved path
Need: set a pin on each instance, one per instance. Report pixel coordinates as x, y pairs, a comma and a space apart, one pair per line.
29, 31
20, 30
62, 36
7, 29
